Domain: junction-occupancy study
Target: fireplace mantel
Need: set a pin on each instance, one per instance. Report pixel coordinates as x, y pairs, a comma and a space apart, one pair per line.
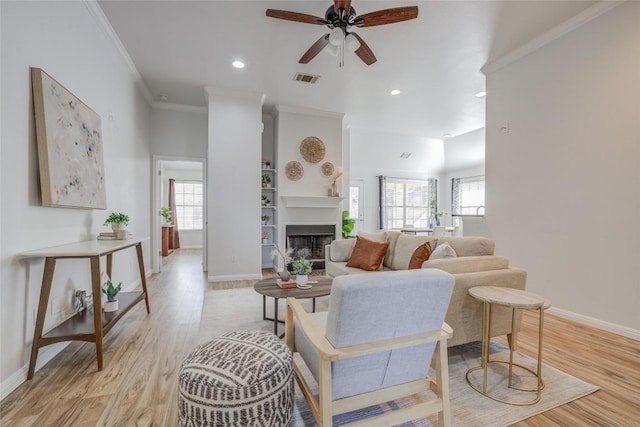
312, 201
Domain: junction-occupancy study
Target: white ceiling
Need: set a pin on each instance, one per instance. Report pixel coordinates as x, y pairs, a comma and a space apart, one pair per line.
180, 47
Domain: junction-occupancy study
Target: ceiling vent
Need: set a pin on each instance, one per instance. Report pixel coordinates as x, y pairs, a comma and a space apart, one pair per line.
306, 78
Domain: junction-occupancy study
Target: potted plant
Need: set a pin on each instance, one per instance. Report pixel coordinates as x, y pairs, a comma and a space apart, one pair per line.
265, 237
111, 304
347, 224
286, 259
302, 267
265, 200
266, 164
266, 180
166, 214
265, 219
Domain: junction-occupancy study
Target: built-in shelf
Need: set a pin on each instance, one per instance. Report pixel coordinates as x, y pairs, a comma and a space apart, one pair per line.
269, 207
312, 201
269, 188
268, 170
268, 244
268, 226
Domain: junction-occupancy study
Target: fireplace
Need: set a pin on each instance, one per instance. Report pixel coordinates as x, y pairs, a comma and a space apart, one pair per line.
308, 241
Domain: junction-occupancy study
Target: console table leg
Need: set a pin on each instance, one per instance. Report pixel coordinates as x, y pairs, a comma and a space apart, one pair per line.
143, 277
109, 264
45, 290
97, 306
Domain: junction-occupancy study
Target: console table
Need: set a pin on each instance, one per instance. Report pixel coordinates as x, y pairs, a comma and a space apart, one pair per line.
83, 326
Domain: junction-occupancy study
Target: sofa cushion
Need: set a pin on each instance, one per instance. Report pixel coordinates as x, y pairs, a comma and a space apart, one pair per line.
469, 246
443, 250
367, 254
406, 244
341, 249
420, 255
392, 238
468, 264
376, 236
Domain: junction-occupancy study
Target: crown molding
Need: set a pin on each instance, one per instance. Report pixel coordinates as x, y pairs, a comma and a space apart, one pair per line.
179, 107
569, 25
308, 111
97, 13
213, 91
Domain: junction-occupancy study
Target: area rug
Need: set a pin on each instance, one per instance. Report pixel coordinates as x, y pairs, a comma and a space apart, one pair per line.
241, 309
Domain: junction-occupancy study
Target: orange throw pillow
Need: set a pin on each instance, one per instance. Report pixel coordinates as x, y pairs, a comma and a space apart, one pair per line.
420, 255
367, 254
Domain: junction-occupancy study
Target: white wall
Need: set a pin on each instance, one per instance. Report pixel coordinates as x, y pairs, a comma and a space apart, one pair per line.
233, 187
189, 239
563, 185
66, 40
179, 133
374, 153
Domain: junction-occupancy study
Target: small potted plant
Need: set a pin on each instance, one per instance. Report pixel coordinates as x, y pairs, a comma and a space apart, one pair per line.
111, 304
266, 180
166, 214
265, 219
302, 267
266, 164
265, 237
265, 200
118, 222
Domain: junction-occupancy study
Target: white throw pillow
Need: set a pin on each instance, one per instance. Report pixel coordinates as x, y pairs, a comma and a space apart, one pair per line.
443, 250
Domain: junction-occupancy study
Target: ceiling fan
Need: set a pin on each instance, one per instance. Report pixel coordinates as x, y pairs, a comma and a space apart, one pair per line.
339, 18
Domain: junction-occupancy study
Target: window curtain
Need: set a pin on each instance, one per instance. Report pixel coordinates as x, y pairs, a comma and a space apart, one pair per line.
174, 213
381, 184
455, 196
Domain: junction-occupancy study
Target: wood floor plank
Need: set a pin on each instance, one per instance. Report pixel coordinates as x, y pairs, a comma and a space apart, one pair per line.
143, 353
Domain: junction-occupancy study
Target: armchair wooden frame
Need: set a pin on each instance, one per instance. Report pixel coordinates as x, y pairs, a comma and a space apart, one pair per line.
324, 408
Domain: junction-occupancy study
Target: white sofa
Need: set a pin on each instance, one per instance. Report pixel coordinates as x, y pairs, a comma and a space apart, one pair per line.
474, 265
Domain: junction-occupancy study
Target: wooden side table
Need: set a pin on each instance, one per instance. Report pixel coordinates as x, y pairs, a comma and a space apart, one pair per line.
167, 240
514, 299
270, 288
84, 326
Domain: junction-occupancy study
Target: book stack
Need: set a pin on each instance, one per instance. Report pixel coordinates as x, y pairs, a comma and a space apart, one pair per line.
286, 285
113, 236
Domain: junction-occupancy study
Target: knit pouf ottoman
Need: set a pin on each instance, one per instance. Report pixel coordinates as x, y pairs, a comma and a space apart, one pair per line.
242, 378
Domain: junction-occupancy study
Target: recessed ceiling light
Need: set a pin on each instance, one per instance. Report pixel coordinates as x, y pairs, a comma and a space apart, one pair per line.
446, 136
238, 64
395, 92
481, 94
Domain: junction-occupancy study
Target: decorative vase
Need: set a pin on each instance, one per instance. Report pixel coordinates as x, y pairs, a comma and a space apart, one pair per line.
110, 306
302, 279
284, 275
118, 227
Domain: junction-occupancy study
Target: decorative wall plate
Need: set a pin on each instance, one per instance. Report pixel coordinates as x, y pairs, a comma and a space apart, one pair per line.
294, 170
312, 149
327, 168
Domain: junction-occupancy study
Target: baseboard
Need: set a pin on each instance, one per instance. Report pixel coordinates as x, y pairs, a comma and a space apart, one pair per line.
45, 354
190, 247
625, 331
20, 376
231, 277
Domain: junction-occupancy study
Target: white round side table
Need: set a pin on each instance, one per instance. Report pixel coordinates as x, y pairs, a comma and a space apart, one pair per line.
515, 299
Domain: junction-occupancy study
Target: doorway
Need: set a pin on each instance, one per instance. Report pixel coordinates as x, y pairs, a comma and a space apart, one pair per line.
189, 175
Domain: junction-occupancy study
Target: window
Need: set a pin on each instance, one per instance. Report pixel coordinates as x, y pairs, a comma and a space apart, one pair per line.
189, 205
467, 196
405, 202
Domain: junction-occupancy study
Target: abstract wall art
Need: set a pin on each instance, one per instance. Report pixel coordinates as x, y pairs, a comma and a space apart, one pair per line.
69, 147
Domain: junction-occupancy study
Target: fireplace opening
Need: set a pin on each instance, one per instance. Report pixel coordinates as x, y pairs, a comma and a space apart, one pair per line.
308, 241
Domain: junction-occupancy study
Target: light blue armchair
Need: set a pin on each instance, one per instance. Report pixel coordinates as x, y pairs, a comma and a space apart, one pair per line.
376, 344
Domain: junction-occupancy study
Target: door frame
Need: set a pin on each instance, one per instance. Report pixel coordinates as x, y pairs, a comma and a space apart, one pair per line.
156, 205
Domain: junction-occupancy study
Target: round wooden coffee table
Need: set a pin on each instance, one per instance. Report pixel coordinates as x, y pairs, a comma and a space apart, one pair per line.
270, 288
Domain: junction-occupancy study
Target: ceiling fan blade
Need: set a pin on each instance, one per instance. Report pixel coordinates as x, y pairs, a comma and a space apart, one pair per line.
386, 16
345, 4
364, 52
295, 16
315, 49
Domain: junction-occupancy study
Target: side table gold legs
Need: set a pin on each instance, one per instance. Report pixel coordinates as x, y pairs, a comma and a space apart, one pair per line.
485, 360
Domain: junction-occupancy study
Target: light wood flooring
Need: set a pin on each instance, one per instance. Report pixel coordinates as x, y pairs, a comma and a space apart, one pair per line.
143, 354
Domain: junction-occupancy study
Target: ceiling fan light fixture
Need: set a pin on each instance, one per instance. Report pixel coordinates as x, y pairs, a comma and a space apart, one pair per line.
351, 42
336, 36
332, 50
